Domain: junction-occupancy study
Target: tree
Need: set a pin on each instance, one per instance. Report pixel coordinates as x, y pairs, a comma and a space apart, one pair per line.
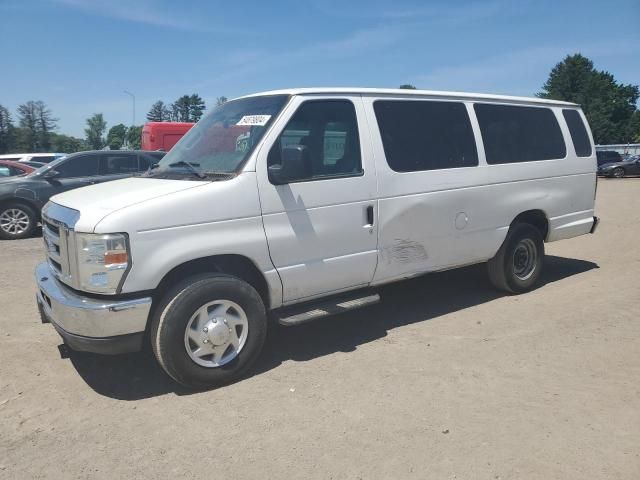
407, 86
27, 119
187, 108
94, 132
134, 135
608, 105
116, 136
159, 112
196, 107
633, 131
221, 101
180, 109
45, 124
38, 123
7, 131
66, 143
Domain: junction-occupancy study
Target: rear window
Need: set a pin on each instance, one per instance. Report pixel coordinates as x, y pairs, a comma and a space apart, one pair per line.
514, 134
578, 131
425, 135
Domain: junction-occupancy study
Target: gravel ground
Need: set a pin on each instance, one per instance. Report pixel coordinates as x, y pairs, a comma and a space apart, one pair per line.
445, 379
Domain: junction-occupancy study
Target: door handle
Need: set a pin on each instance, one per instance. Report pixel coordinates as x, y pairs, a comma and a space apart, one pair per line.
369, 216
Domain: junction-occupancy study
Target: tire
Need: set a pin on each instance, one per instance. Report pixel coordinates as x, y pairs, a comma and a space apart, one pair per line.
17, 221
506, 270
618, 172
222, 303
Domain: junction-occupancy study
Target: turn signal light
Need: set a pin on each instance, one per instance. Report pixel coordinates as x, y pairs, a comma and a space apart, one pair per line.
115, 257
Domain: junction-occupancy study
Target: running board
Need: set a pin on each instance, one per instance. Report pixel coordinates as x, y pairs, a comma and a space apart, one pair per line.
297, 315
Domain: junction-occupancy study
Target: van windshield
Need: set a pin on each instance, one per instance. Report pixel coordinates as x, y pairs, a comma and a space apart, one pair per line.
222, 140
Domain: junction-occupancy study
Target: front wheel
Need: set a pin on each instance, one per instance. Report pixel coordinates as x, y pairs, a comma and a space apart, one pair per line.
517, 266
618, 172
16, 221
208, 330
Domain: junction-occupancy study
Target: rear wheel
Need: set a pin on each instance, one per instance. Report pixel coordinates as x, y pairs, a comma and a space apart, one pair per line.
517, 266
618, 172
208, 330
16, 221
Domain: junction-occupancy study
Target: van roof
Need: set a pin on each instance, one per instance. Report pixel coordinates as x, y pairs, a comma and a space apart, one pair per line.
416, 93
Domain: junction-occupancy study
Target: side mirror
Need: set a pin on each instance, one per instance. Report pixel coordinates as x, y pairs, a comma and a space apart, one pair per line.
49, 174
295, 164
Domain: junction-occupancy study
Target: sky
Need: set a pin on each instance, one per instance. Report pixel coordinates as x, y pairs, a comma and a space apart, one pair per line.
79, 56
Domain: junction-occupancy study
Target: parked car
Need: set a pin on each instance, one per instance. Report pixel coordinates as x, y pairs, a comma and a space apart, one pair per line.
33, 164
163, 135
36, 157
9, 168
22, 197
628, 166
608, 156
298, 204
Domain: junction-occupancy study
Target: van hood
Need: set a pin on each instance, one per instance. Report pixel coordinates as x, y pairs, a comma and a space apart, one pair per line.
95, 202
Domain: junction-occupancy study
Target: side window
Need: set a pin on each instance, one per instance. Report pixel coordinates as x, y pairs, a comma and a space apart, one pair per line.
425, 135
578, 132
329, 131
83, 166
514, 134
119, 164
44, 159
143, 163
5, 171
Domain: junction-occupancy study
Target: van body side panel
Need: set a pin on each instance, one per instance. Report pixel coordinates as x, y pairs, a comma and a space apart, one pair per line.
214, 218
438, 219
317, 230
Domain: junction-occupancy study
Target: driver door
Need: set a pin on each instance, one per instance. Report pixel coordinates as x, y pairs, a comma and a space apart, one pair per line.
77, 171
321, 229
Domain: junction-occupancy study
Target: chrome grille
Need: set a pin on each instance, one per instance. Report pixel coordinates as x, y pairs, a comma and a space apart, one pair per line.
57, 231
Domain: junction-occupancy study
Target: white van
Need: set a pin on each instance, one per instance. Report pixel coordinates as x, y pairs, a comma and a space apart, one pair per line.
296, 204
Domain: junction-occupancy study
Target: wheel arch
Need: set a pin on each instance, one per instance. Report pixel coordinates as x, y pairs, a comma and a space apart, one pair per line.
536, 218
231, 264
21, 201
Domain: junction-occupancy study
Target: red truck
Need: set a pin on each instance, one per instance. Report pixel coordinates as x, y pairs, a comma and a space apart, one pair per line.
163, 135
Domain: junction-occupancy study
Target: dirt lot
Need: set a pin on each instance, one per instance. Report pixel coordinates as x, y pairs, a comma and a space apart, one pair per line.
445, 379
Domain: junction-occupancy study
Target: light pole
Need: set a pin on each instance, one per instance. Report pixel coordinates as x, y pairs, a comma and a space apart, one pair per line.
133, 100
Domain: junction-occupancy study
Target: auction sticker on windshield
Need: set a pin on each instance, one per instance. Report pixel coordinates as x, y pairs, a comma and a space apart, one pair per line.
257, 120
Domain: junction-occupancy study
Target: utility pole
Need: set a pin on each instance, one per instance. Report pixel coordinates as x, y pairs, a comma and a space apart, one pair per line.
133, 102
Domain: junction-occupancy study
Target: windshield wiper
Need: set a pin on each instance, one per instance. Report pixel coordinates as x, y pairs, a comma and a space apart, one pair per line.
213, 173
195, 170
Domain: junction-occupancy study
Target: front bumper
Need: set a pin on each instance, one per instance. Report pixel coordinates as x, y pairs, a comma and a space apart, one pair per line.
87, 324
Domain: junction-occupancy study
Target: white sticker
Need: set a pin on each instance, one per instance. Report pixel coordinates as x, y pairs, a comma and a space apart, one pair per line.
259, 120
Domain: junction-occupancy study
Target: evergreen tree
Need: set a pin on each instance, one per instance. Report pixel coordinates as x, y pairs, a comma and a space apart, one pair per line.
7, 131
196, 107
159, 112
608, 105
94, 132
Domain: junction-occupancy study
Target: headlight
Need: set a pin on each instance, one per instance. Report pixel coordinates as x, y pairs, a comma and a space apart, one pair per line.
103, 260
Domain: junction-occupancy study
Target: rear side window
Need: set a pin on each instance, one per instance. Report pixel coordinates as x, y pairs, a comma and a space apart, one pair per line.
578, 132
120, 163
514, 134
425, 135
44, 159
